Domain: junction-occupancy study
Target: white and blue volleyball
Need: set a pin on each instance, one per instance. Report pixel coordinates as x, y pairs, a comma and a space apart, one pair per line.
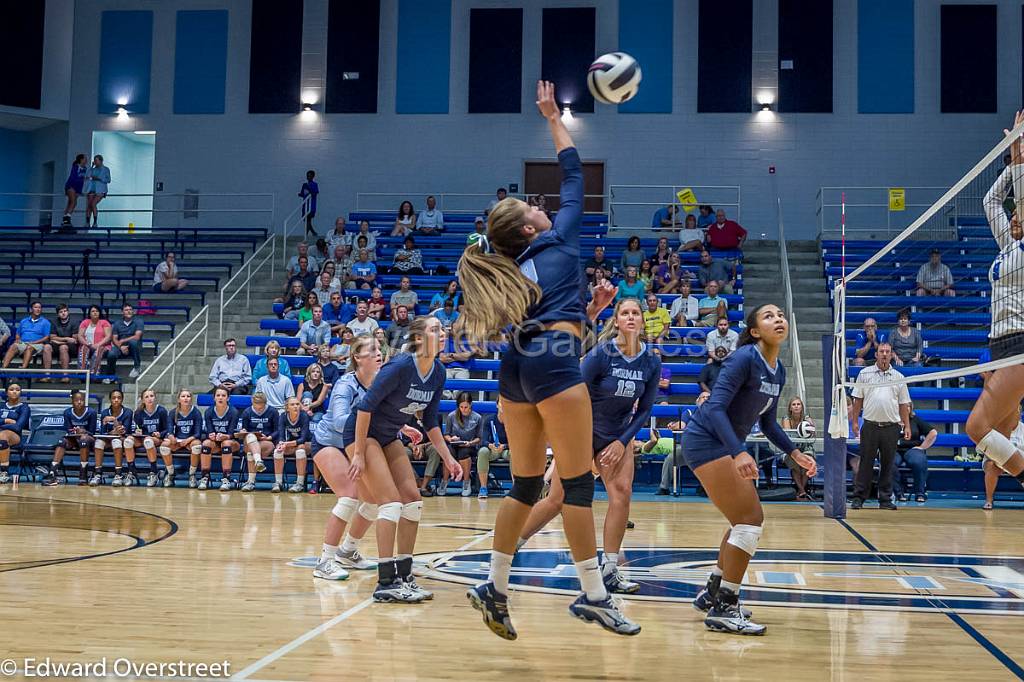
614, 78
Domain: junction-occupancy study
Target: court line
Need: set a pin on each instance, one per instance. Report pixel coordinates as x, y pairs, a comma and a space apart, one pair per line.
958, 620
300, 640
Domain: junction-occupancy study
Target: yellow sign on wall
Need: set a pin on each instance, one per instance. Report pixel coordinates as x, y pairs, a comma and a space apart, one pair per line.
687, 198
897, 199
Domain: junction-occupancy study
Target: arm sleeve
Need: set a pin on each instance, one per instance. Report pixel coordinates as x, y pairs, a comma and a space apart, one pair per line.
771, 429
305, 436
643, 408
993, 205
730, 380
214, 373
94, 423
341, 405
24, 417
569, 219
430, 411
208, 422
593, 365
289, 391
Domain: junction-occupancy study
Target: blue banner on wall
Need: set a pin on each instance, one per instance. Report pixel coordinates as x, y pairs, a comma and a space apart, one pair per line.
126, 48
885, 56
424, 56
645, 31
200, 61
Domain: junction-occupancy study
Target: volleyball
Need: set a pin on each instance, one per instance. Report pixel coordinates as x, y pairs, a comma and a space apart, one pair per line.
614, 78
805, 429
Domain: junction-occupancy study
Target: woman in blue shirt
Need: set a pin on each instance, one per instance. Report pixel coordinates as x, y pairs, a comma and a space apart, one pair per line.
631, 286
462, 431
115, 427
97, 179
525, 274
620, 372
73, 187
151, 425
746, 394
14, 418
185, 434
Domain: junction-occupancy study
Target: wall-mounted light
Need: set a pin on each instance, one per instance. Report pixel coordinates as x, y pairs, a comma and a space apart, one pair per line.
306, 106
766, 106
122, 112
144, 132
566, 112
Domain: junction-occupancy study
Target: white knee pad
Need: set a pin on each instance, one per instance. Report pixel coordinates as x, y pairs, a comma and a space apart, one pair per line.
996, 447
116, 443
368, 511
164, 450
392, 511
345, 508
101, 445
196, 448
278, 453
300, 453
129, 443
148, 443
745, 537
413, 511
251, 438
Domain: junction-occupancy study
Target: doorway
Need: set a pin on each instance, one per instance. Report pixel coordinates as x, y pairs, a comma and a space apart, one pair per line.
131, 158
545, 177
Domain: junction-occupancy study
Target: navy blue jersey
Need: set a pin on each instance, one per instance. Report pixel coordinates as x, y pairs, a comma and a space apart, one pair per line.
617, 383
217, 423
297, 431
108, 421
151, 422
260, 423
83, 422
552, 260
746, 393
187, 425
20, 413
398, 393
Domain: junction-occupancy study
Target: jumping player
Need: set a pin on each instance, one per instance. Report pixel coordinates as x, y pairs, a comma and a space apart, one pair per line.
15, 417
747, 392
257, 428
115, 428
185, 435
151, 423
293, 439
526, 274
620, 372
219, 425
79, 425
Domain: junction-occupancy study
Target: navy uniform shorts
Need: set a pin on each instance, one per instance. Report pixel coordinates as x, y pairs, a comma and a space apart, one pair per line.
349, 435
698, 449
539, 366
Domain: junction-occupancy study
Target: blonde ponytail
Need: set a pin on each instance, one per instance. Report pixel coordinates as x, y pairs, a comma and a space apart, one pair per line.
499, 295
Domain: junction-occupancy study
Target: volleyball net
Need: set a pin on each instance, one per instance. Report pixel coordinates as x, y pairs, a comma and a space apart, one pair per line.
927, 292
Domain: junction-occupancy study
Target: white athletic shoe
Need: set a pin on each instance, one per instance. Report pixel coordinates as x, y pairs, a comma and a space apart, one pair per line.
467, 489
605, 613
225, 484
169, 480
118, 481
134, 373
95, 480
5, 478
192, 481
414, 587
330, 569
204, 483
397, 592
248, 487
729, 618
297, 487
151, 480
355, 561
276, 488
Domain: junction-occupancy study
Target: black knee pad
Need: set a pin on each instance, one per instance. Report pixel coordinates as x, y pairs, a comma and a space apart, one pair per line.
69, 443
4, 444
206, 450
86, 441
579, 490
526, 489
225, 451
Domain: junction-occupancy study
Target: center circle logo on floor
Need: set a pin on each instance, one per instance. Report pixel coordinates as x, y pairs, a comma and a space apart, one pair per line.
852, 580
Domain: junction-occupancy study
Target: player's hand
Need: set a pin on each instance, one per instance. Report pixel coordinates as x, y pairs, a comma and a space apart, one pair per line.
355, 466
906, 433
805, 461
611, 456
546, 103
604, 295
452, 467
745, 466
1018, 118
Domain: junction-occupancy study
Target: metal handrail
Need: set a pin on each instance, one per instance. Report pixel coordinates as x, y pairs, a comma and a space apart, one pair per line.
823, 202
440, 197
175, 355
297, 212
731, 192
18, 370
248, 269
794, 334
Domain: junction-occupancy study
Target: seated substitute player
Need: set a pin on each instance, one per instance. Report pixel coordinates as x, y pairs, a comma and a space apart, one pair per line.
219, 425
15, 416
256, 428
184, 435
152, 424
293, 438
79, 425
115, 428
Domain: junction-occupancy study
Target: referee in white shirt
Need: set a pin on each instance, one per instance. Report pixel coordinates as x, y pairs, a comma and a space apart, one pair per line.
886, 419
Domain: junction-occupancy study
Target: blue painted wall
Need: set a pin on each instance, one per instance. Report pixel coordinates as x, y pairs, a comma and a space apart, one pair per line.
885, 56
424, 56
126, 47
16, 151
200, 61
645, 31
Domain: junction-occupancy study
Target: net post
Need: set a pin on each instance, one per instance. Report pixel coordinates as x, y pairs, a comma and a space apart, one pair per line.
835, 448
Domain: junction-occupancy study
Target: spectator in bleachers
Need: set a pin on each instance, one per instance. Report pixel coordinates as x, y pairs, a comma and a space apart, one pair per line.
363, 273
934, 278
866, 343
633, 256
302, 251
450, 293
15, 417
398, 332
668, 275
479, 230
63, 341
386, 351
907, 342
913, 453
361, 242
796, 414
126, 341
377, 305
630, 286
447, 314
666, 216
462, 431
73, 187
685, 310
371, 238
712, 306
661, 252
294, 300
430, 221
304, 275
710, 371
97, 181
722, 337
5, 333
165, 277
270, 351
276, 386
310, 189
328, 370
691, 237
450, 357
540, 201
405, 296
313, 333
657, 320
340, 351
231, 371
94, 335
337, 313
646, 275
339, 237
405, 221
493, 446
306, 311
599, 262
362, 324
499, 195
717, 270
313, 392
325, 288
725, 235
665, 382
706, 217
320, 251
408, 259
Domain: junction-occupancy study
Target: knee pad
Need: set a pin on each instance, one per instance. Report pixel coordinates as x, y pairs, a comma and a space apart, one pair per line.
164, 450
68, 443
86, 441
251, 438
413, 511
196, 449
579, 490
745, 537
4, 444
526, 489
206, 451
391, 511
996, 447
368, 511
300, 453
101, 445
345, 508
225, 451
148, 443
116, 443
129, 443
278, 453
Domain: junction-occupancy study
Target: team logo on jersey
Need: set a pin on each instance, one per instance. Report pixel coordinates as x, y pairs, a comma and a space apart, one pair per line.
852, 580
413, 408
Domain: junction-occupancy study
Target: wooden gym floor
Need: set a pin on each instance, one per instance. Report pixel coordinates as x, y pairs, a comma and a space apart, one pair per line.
157, 575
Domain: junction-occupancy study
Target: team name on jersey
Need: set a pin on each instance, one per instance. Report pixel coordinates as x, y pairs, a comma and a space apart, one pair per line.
419, 395
770, 389
626, 373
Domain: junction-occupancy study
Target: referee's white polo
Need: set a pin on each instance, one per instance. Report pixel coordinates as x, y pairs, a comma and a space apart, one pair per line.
882, 403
